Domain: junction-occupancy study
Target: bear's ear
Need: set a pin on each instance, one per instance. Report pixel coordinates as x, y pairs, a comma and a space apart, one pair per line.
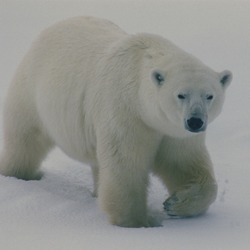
225, 78
158, 78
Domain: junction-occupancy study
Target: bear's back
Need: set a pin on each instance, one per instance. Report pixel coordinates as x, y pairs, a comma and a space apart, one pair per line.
78, 32
61, 66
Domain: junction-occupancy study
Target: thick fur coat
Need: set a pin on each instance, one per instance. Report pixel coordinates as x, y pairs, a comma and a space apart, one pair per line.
125, 104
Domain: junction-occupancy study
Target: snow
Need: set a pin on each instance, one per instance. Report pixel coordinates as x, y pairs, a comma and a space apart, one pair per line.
59, 211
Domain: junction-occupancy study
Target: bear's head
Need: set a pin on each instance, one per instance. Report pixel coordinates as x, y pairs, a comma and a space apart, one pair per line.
179, 95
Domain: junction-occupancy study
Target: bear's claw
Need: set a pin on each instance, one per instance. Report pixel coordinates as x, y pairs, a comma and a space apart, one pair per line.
168, 206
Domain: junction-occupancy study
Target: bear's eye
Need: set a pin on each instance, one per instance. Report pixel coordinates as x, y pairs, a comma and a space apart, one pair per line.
159, 78
210, 97
181, 97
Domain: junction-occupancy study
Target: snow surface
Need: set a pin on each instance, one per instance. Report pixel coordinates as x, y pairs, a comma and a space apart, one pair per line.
59, 212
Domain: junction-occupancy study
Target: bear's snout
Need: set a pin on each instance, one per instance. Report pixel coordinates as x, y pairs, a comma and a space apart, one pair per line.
196, 119
195, 125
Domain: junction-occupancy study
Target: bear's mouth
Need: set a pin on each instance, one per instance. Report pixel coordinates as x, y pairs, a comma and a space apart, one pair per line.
195, 125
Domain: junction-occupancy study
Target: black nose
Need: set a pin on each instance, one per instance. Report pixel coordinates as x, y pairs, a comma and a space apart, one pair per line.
194, 124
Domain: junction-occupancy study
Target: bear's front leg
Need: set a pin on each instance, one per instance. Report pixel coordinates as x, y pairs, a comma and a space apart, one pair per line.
123, 195
191, 200
123, 181
185, 168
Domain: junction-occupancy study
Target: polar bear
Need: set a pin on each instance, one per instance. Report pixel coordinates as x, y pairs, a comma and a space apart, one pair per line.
127, 105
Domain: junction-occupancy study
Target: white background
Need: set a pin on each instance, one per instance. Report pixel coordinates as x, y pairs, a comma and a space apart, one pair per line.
59, 212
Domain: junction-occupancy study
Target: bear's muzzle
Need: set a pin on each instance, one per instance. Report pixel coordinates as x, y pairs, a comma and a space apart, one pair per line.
196, 121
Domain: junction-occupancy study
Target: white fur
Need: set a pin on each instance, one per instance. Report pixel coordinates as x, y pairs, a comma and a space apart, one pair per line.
90, 88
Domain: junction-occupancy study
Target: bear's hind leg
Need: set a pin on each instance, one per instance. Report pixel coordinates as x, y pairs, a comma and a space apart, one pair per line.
23, 153
95, 175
